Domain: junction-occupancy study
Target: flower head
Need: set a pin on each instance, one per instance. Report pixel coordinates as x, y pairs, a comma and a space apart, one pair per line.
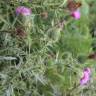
92, 56
23, 11
76, 14
44, 15
86, 76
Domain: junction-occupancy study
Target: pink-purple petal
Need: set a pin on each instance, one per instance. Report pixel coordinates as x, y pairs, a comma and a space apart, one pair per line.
23, 11
76, 14
86, 76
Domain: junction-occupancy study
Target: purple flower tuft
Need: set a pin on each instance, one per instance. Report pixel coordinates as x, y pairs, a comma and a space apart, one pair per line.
76, 14
23, 11
86, 76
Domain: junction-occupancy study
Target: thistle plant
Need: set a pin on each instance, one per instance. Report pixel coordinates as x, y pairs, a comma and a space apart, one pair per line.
47, 48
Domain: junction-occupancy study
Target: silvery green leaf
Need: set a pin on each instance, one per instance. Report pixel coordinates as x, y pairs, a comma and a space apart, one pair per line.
7, 58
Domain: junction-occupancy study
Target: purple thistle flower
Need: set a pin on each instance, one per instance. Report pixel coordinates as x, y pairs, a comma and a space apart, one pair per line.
23, 11
76, 14
86, 76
